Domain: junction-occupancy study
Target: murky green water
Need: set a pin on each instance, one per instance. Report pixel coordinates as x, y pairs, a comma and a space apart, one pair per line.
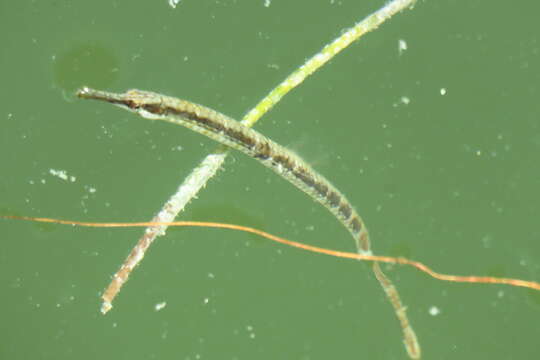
451, 180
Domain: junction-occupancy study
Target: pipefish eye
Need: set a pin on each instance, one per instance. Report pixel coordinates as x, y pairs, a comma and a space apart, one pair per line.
153, 108
132, 104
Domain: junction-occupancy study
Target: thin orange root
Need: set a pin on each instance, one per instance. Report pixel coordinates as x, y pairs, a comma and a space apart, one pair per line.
385, 259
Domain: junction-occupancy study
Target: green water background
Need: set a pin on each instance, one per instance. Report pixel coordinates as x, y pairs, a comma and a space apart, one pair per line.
451, 180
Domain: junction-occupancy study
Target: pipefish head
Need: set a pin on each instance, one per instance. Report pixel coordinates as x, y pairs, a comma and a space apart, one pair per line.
146, 102
135, 100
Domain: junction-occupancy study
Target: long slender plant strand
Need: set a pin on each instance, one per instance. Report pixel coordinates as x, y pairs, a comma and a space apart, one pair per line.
533, 285
368, 24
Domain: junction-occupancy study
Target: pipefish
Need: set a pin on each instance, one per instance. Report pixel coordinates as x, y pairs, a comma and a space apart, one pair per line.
282, 161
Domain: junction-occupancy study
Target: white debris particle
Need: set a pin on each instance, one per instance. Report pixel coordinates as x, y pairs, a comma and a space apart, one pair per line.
211, 276
160, 305
405, 100
206, 301
443, 91
91, 190
173, 3
62, 174
251, 331
59, 173
267, 3
402, 46
434, 311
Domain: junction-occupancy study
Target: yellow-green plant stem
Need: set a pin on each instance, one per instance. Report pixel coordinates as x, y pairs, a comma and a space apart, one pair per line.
368, 24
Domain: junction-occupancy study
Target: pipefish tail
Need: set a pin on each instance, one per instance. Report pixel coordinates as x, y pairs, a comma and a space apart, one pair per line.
282, 161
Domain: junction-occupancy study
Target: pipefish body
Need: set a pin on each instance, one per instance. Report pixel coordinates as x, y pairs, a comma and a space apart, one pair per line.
232, 133
285, 163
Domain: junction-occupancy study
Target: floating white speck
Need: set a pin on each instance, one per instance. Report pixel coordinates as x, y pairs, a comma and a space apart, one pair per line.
267, 3
59, 173
173, 3
402, 46
206, 301
160, 305
251, 331
405, 100
443, 91
62, 174
434, 311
